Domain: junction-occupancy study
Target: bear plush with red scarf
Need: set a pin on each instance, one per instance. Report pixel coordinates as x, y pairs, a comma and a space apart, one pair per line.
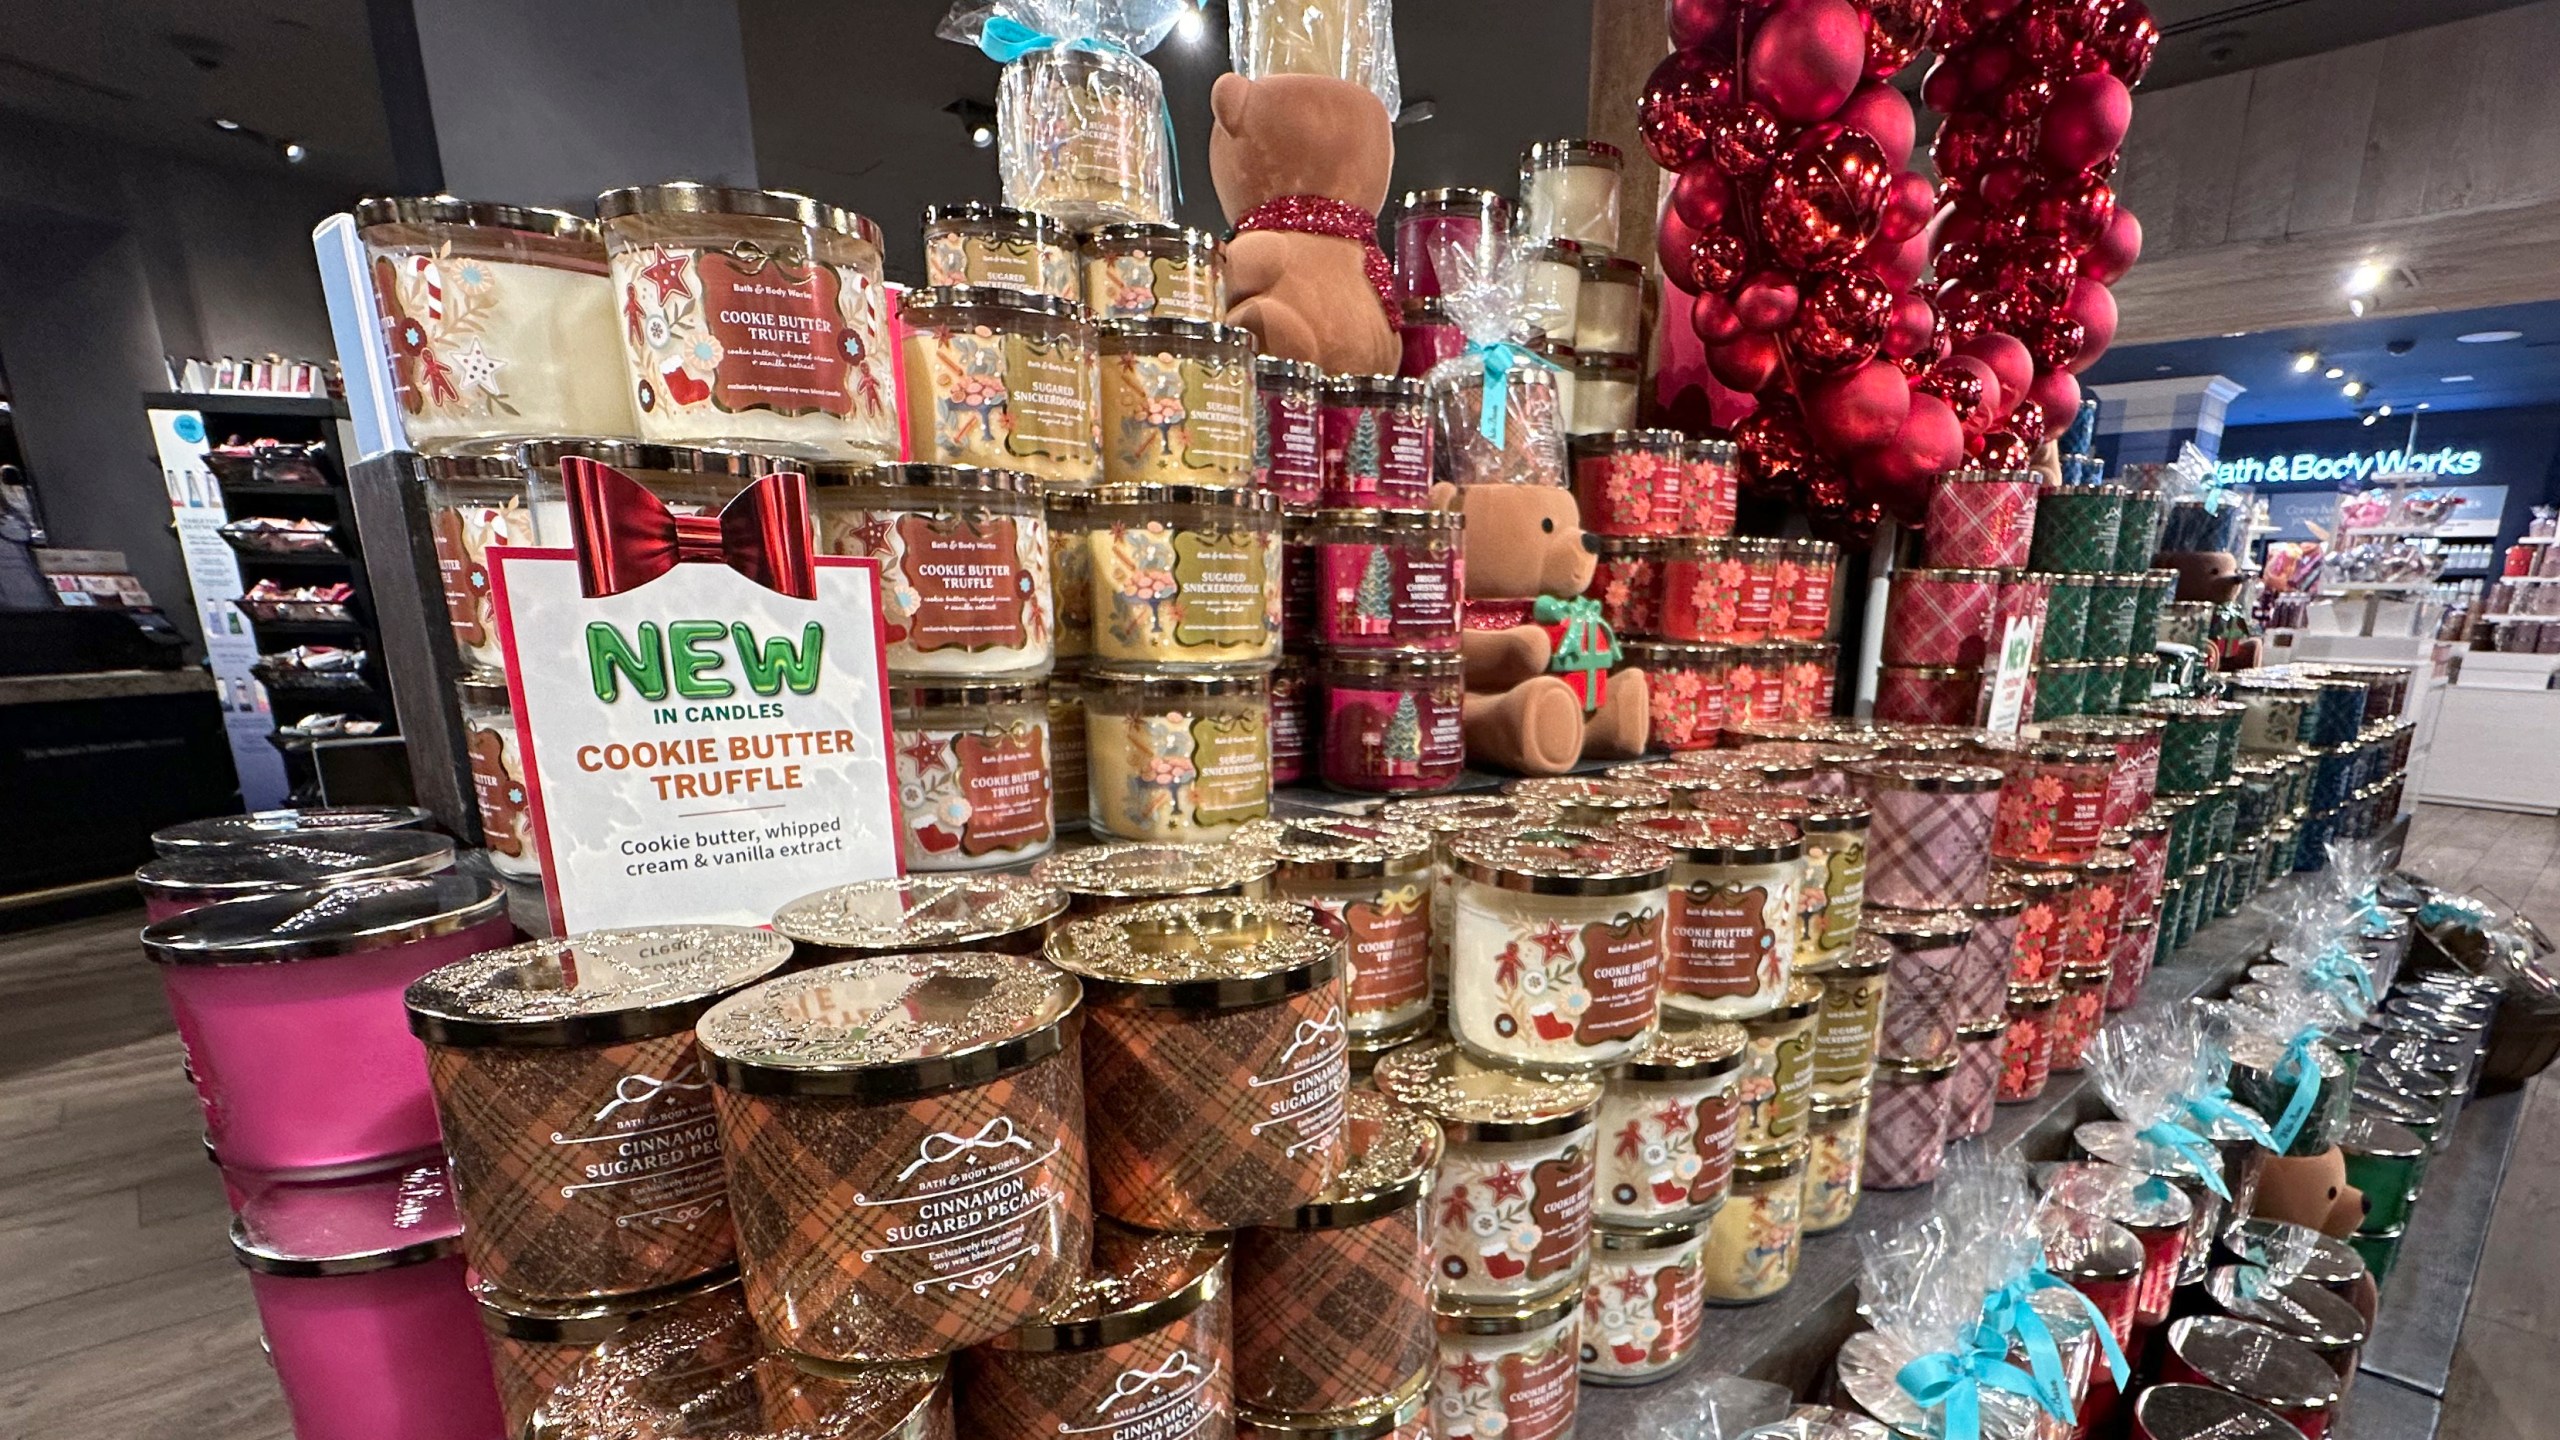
1301, 163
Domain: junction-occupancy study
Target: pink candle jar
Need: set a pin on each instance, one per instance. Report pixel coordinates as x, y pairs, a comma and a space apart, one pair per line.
1377, 441
2026, 1060
1702, 584
2043, 938
1458, 224
1627, 581
1714, 488
1982, 519
1300, 563
191, 879
365, 1313
576, 1117
1928, 694
1629, 482
1141, 1347
1429, 335
1392, 721
1907, 1121
1686, 687
2081, 1008
1815, 571
1929, 846
286, 824
1511, 1200
1983, 994
2053, 802
1389, 579
1940, 617
2132, 963
1288, 435
1979, 1051
289, 1008
1293, 720
1925, 980
1756, 685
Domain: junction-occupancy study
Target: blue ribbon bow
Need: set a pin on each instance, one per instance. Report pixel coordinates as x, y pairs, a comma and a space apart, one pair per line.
1005, 40
2296, 1062
2341, 973
2214, 1105
1500, 358
2191, 1147
2036, 1278
1952, 1381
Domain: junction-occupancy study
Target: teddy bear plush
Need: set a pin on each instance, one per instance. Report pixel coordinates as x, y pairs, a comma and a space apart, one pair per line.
1301, 164
1541, 690
2310, 1190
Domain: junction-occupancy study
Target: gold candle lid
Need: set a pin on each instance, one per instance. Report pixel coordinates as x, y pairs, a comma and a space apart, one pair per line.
1667, 1236
1812, 814
1867, 955
1338, 847
1139, 1283
1592, 799
599, 987
1107, 875
888, 1027
1694, 1053
1503, 1317
1919, 929
1933, 776
1804, 993
1389, 1155
1561, 861
1210, 954
1707, 837
1775, 1163
1476, 1102
921, 912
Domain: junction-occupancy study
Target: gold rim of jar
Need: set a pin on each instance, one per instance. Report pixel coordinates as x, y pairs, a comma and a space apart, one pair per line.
669, 459
1260, 504
454, 210
1147, 237
1914, 1069
1121, 1326
967, 481
1462, 1317
688, 197
1731, 1045
1042, 229
584, 1322
903, 698
1759, 1167
1803, 997
994, 297
1670, 1235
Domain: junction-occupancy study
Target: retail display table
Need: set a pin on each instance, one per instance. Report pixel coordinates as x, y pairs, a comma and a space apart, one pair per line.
2429, 1289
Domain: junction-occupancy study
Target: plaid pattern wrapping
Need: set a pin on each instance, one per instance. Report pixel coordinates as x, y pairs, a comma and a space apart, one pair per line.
584, 1171
1981, 524
2188, 751
1976, 1087
1926, 697
1982, 979
2137, 533
1330, 1319
2111, 607
1936, 619
791, 1402
828, 1191
1920, 1009
1210, 1121
2132, 966
1927, 850
528, 1371
1169, 1384
1907, 1131
2066, 619
2076, 530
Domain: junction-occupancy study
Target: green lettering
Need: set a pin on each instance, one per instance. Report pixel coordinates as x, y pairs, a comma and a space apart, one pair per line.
611, 659
777, 662
694, 664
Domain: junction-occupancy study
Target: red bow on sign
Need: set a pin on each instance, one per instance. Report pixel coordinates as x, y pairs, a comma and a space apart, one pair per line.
627, 537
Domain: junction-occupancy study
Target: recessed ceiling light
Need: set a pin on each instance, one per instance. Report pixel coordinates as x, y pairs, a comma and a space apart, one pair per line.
2355, 306
2455, 380
294, 152
2162, 369
982, 136
2490, 337
2369, 418
2306, 362
2352, 389
221, 124
2233, 334
2423, 405
2384, 412
1191, 26
2367, 278
2333, 373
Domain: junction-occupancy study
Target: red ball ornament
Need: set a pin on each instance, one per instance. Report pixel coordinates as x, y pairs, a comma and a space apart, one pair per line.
2022, 103
2044, 268
1703, 198
2056, 341
2006, 186
1968, 387
1898, 475
2027, 422
1772, 445
1824, 197
1883, 113
2127, 41
1841, 321
1679, 96
1805, 58
1968, 261
1943, 88
2079, 210
2003, 451
1908, 204
1711, 264
1897, 31
2092, 307
2113, 252
1898, 265
1965, 311
2011, 363
1701, 24
1673, 235
1746, 363
1857, 409
1912, 331
1766, 302
2086, 121
1964, 144
2056, 393
1742, 139
1712, 317
2044, 37
1964, 21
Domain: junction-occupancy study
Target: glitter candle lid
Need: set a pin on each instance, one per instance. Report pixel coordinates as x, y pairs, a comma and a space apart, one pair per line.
2187, 708
1592, 795
1752, 766
599, 987
978, 212
2035, 884
587, 1321
349, 1227
270, 824
1817, 753
1127, 873
1260, 503
1561, 862
1712, 1047
889, 1026
1338, 847
1867, 955
295, 861
2105, 862
1475, 1102
1208, 954
1389, 1154
1447, 814
963, 482
1379, 1422
1139, 1283
2100, 727
2203, 1412
2253, 1361
451, 210
918, 912
1812, 814
1502, 1317
1804, 995
320, 924
1927, 775
1706, 837
2300, 1308
1919, 929
2081, 1245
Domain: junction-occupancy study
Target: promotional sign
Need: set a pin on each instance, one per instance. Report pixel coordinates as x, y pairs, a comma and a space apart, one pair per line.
2009, 680
213, 574
702, 706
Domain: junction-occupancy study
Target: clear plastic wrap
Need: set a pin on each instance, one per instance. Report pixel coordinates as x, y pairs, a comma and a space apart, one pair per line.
2144, 1066
1082, 131
2282, 1063
1352, 40
1497, 407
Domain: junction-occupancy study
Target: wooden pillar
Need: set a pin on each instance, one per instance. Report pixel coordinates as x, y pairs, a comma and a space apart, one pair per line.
1628, 39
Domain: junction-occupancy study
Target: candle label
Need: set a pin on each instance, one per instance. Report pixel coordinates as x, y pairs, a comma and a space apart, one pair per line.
1844, 1033
1777, 1083
1377, 455
1660, 1142
1685, 706
1138, 284
1387, 969
1701, 596
1640, 1312
1562, 1207
1045, 389
1527, 1393
463, 535
1302, 1097
956, 582
1621, 972
1629, 589
1010, 262
1809, 612
1496, 1213
1288, 446
2096, 921
1773, 1230
1559, 987
1730, 941
750, 329
1223, 585
1835, 865
497, 786
1402, 594
1718, 1127
974, 793
1234, 756
1179, 420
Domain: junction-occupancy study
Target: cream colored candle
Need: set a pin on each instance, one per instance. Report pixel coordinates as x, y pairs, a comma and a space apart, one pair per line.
1609, 307
1642, 1306
1556, 959
1668, 1125
1511, 1201
1003, 380
1569, 189
1551, 291
1604, 394
964, 554
1181, 758
473, 503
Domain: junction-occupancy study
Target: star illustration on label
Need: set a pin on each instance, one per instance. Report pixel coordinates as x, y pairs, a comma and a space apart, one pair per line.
1555, 938
1506, 1183
667, 274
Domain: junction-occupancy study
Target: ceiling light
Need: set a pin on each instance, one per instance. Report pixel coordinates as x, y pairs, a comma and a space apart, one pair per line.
2455, 380
294, 152
2424, 405
2384, 412
2306, 362
2333, 373
2366, 278
2352, 389
220, 123
2370, 417
982, 136
2233, 334
1191, 26
2490, 337
2355, 306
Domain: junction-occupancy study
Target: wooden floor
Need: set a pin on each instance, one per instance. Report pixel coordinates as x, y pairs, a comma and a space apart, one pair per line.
122, 1316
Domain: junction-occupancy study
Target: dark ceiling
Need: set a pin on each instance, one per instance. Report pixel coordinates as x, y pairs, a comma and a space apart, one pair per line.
2203, 38
2523, 371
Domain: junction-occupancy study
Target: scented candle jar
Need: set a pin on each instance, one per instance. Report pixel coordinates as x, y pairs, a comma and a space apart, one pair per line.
2201, 1412
974, 780
859, 1105
2066, 616
1164, 272
1288, 434
1392, 721
1756, 685
1068, 515
2266, 1076
1835, 1164
2132, 963
1777, 1070
1940, 617
473, 503
2077, 1015
1631, 482
1928, 969
1754, 1241
1609, 309
2100, 1259
2121, 1147
2300, 1309
2027, 1061
1556, 956
752, 319
1811, 673
575, 1114
1443, 818
1293, 720
1389, 579
1757, 605
1006, 914
1930, 843
1928, 694
292, 824
1300, 558
2042, 942
1507, 1369
175, 884
2053, 800
1983, 992
1429, 335
1701, 590
1177, 403
1907, 1121
1833, 898
2098, 911
1730, 940
1372, 879
2060, 689
1525, 446
1069, 780
491, 314
1103, 878
535, 1345
1550, 290
1855, 989
1642, 1305
1569, 191
1511, 1201
2135, 776
498, 788
1333, 1302
2077, 528
1685, 690
1809, 570
964, 554
2257, 1364
1458, 225
1002, 380
382, 1252
1158, 1306
1594, 801
1080, 134
288, 1008
1669, 1121
1868, 1368
1982, 519
974, 243
1377, 441
1185, 577
2158, 1216
1713, 488
1980, 1050
1213, 1059
1606, 390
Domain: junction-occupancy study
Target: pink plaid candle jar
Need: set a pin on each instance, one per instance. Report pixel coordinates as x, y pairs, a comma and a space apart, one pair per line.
2132, 963
1925, 980
1631, 482
1907, 1121
1983, 519
1980, 1048
1929, 845
1940, 617
1928, 694
1983, 994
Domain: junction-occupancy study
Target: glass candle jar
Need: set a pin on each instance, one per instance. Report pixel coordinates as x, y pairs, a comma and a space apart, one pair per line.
1002, 380
1631, 482
2135, 776
1185, 577
1731, 936
1754, 1241
1855, 992
1163, 271
498, 789
753, 319
175, 884
1550, 289
1928, 694
2042, 941
1982, 519
2053, 802
2257, 1364
974, 243
1609, 309
1929, 950
1701, 585
1777, 1070
2159, 1217
1429, 335
1982, 994
1940, 617
1372, 879
1153, 1305
1213, 1058
1069, 777
974, 783
1299, 554
1333, 1304
2120, 1146
1006, 914
1377, 441
1811, 673
1606, 392
1714, 487
2132, 963
965, 584
2100, 1259
1392, 721
473, 503
1293, 720
1835, 1166
860, 1105
2298, 1309
1443, 818
290, 824
1685, 691
1507, 1368
288, 1007
2097, 912
1455, 225
1556, 957
1929, 846
535, 1345
1177, 403
1669, 1120
1808, 572
1067, 513
575, 1116
1627, 581
1288, 434
1526, 446
2027, 1061
1642, 1305
1569, 191
1980, 1049
1835, 864
1080, 134
491, 314
1389, 579
1103, 878
1511, 1201
1907, 1121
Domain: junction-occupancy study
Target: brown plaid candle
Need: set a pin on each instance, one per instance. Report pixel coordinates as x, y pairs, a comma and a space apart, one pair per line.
585, 1156
1141, 1349
905, 1146
534, 1346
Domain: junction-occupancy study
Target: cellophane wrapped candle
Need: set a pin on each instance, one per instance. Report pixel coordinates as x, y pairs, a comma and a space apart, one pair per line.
1980, 1048
1429, 335
2255, 1363
2100, 1258
1907, 1121
1378, 448
1153, 1305
1642, 1305
1834, 1174
1389, 579
1181, 758
192, 879
1730, 943
473, 503
1511, 1202
1856, 987
1631, 482
1941, 617
1372, 879
1669, 1120
1002, 380
2027, 1062
1526, 446
1930, 843
1461, 219
1288, 435
575, 1113
1556, 958
1507, 1368
1685, 691
974, 243
861, 1107
1569, 191
1929, 950
1982, 519
1080, 134
1161, 271
1333, 1303
2159, 1216
1755, 1240
1392, 721
1177, 403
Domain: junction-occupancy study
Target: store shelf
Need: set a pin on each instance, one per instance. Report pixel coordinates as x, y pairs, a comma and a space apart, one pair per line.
2380, 1409
254, 489
317, 407
2423, 1303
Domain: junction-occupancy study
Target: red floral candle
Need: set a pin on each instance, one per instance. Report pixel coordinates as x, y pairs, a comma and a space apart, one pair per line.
1757, 607
1817, 570
2077, 1013
1756, 685
1713, 489
2098, 915
2132, 963
1627, 581
1982, 518
1940, 617
1702, 585
1928, 694
1807, 681
1631, 482
1389, 579
1686, 688
2052, 801
2135, 739
2043, 939
2026, 1059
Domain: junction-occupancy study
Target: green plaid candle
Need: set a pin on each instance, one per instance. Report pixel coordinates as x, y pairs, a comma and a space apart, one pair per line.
2112, 599
2156, 588
2190, 751
2135, 684
2066, 616
2059, 687
2105, 689
2137, 532
2077, 528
